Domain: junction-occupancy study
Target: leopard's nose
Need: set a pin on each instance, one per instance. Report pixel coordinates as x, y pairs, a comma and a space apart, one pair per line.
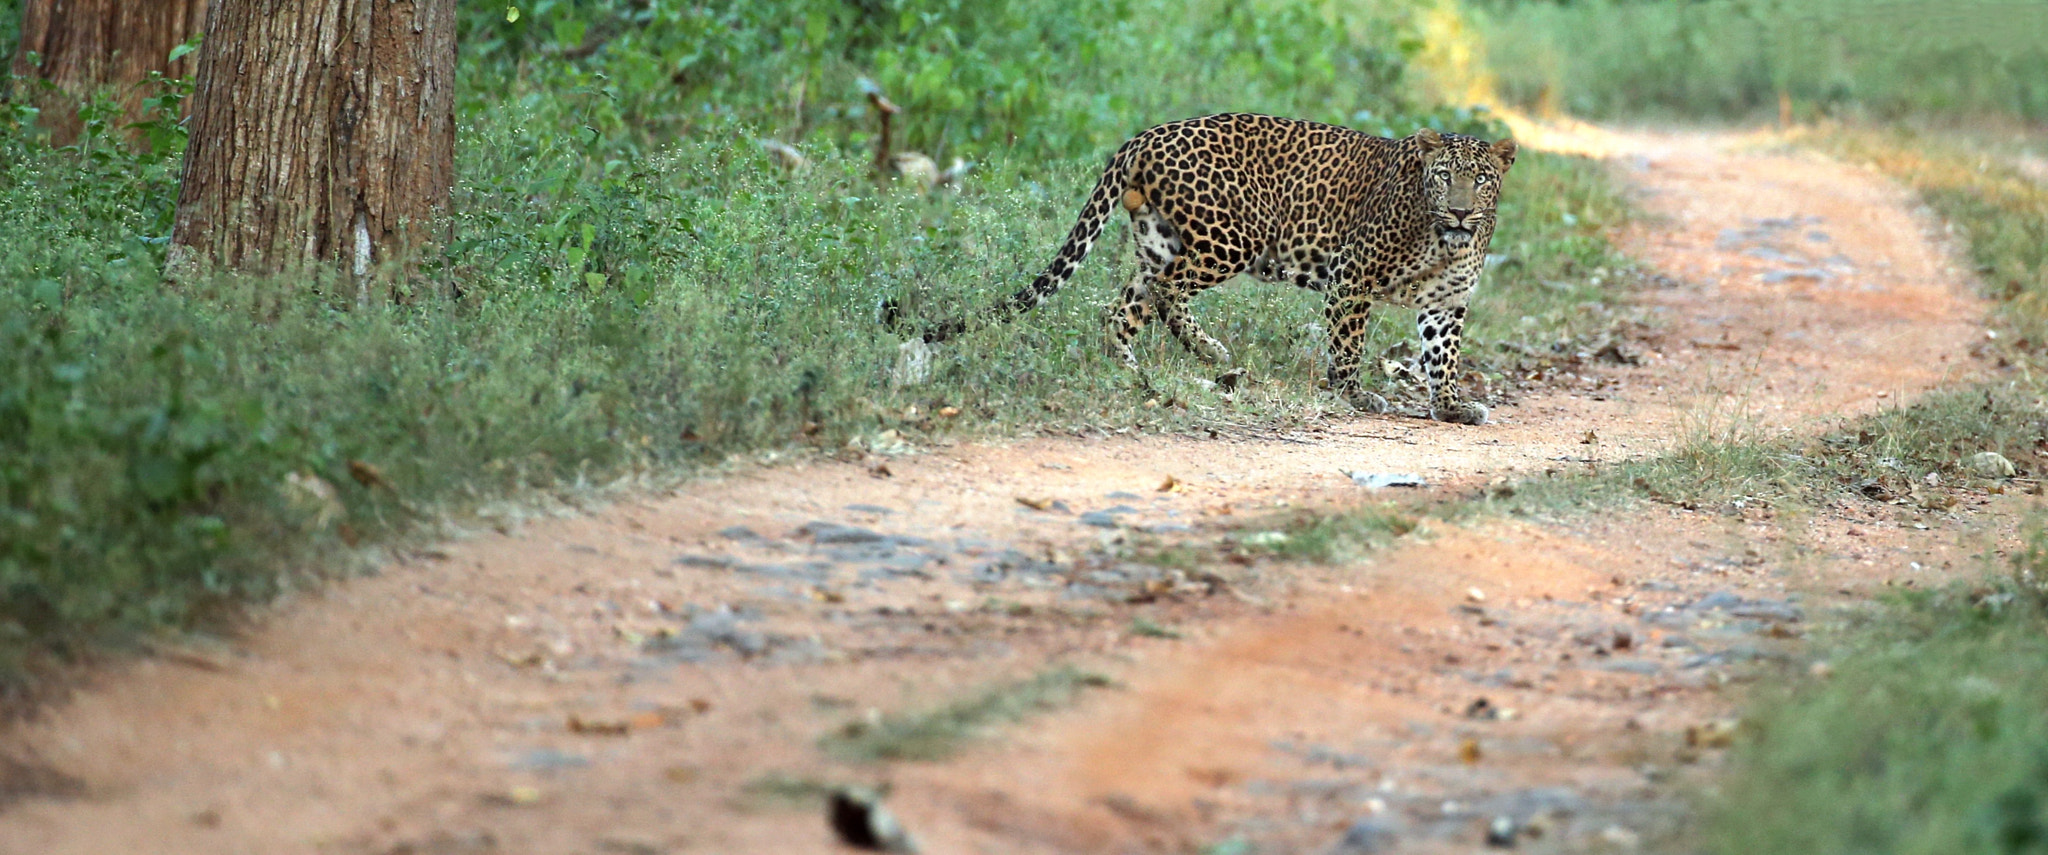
1460, 215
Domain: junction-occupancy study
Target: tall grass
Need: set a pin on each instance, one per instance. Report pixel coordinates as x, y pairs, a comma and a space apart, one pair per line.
1871, 59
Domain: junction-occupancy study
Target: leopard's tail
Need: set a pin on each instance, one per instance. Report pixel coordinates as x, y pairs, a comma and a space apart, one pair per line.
1108, 191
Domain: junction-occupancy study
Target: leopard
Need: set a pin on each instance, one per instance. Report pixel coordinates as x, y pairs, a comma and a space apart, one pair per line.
1363, 219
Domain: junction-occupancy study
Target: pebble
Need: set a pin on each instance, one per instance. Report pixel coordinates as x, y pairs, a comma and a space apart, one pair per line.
857, 815
1630, 666
545, 759
834, 533
1367, 837
1500, 833
1990, 464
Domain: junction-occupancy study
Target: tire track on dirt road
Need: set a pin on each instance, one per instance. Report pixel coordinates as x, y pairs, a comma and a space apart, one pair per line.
649, 676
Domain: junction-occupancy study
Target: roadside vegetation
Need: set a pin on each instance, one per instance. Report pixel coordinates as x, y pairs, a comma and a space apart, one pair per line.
1915, 62
636, 287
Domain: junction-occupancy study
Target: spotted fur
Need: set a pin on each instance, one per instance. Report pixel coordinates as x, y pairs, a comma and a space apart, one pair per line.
1363, 219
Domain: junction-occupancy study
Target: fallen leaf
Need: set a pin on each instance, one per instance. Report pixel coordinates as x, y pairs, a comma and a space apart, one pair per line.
1719, 733
648, 720
1468, 751
881, 470
700, 706
680, 774
948, 412
368, 475
514, 797
1172, 485
598, 727
1036, 504
1590, 438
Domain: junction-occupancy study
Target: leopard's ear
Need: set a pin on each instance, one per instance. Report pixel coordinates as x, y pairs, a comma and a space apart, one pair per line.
1430, 139
1504, 151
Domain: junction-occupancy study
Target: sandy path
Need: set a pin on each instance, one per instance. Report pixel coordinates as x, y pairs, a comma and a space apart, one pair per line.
427, 709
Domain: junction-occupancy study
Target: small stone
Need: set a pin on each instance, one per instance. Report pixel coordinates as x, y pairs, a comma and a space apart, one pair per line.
1368, 836
1382, 480
1715, 600
1099, 519
1475, 595
1617, 836
546, 759
1821, 670
1500, 833
834, 533
1643, 667
861, 821
1989, 464
738, 532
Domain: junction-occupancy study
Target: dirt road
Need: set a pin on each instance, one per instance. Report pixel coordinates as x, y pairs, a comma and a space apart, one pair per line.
658, 676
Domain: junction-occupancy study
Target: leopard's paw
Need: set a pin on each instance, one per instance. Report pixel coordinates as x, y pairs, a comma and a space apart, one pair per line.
1463, 413
1367, 402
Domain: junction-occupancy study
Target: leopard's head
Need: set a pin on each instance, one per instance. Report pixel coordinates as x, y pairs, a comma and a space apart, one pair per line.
1461, 182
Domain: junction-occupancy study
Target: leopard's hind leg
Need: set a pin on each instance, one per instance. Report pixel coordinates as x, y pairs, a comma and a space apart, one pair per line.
1157, 245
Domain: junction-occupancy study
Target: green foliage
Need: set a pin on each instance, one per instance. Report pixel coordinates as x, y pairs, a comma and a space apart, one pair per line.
1732, 58
1928, 738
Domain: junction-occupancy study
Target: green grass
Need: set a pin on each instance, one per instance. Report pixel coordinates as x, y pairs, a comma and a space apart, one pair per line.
1931, 735
1876, 60
634, 291
935, 734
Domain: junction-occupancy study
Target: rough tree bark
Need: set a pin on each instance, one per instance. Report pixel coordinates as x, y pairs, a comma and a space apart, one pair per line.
322, 131
82, 45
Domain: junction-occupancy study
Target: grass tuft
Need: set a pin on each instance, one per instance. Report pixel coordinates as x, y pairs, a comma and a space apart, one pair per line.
935, 734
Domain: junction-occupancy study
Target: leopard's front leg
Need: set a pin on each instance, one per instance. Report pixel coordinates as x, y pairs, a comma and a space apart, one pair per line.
1443, 330
1347, 313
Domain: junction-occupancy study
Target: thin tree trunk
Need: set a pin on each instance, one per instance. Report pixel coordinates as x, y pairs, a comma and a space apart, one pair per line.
82, 45
322, 131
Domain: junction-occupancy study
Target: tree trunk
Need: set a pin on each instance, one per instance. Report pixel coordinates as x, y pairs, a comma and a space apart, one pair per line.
82, 45
322, 131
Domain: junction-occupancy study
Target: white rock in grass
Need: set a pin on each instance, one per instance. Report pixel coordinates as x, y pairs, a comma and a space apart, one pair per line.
913, 363
1989, 464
